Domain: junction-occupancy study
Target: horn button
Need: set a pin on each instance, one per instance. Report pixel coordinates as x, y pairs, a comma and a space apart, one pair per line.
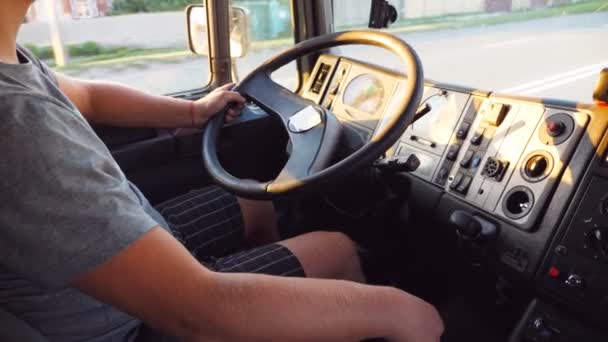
305, 120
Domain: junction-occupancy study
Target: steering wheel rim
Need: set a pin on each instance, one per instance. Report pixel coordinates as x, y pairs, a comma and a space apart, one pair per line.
258, 84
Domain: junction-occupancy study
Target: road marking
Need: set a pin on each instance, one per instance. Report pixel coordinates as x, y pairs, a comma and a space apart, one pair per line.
562, 82
556, 78
510, 42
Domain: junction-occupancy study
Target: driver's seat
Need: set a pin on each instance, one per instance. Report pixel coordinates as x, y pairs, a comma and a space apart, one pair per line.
14, 329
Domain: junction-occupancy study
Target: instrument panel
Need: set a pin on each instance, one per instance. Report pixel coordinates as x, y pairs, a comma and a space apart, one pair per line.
501, 156
535, 171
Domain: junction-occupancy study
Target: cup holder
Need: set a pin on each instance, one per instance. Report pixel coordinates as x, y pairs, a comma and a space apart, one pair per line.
518, 202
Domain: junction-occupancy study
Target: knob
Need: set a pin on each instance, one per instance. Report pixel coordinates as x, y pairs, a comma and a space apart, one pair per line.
471, 227
575, 281
555, 128
536, 166
467, 225
598, 240
542, 331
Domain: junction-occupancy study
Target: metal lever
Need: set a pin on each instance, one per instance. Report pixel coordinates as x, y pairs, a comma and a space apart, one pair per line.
398, 163
472, 228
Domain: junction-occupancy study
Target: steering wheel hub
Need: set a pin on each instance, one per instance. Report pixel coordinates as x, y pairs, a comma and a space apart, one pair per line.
305, 120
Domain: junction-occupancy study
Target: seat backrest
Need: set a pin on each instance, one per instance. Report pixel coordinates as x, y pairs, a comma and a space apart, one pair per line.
14, 329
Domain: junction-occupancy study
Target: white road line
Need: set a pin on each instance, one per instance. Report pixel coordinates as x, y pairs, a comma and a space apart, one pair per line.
556, 78
562, 82
510, 42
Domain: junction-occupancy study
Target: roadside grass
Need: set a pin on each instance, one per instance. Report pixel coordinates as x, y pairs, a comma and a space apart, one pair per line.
122, 55
90, 54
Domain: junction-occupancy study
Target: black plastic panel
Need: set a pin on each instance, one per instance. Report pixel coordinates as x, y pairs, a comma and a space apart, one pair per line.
543, 322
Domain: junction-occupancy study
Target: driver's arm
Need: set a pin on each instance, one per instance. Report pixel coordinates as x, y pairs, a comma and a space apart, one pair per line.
118, 105
157, 280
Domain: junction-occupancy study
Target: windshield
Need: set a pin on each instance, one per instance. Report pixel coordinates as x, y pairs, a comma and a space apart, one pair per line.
543, 48
143, 44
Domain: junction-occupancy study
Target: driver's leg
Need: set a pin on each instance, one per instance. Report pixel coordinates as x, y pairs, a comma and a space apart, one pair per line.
322, 254
327, 255
260, 221
212, 223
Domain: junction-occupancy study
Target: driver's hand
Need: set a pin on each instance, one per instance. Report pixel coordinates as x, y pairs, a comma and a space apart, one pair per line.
418, 321
205, 108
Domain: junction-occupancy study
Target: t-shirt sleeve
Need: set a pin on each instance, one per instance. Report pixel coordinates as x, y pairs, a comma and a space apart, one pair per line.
65, 205
39, 64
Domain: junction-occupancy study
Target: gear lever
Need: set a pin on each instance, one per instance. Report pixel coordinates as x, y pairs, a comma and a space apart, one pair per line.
474, 235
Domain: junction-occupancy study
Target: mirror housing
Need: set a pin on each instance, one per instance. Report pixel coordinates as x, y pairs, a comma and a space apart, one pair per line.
198, 38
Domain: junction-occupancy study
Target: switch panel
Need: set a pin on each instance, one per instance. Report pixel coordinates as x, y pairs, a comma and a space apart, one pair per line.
512, 158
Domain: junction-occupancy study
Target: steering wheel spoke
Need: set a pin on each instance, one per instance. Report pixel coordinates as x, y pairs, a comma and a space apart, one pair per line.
273, 97
311, 149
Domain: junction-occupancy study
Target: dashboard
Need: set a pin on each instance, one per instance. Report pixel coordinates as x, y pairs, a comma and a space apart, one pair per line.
534, 170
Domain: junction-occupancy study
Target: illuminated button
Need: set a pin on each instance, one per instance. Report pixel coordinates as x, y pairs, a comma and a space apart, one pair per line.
476, 161
554, 273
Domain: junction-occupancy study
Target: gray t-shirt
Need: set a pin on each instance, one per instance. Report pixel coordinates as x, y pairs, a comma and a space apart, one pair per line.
65, 208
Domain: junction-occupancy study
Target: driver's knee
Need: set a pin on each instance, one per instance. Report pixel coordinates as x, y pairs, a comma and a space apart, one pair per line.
260, 221
328, 255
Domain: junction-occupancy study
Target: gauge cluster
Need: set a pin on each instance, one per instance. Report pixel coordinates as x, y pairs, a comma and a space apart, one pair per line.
365, 94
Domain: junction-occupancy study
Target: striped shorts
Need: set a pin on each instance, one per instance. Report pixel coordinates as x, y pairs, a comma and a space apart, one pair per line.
209, 223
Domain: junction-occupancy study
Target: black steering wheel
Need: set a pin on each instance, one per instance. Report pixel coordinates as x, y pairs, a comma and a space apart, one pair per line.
314, 132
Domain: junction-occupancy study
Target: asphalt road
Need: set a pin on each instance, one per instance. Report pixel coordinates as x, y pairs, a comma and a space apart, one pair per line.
558, 57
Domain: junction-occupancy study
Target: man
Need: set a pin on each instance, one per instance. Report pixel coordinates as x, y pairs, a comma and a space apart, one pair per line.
84, 257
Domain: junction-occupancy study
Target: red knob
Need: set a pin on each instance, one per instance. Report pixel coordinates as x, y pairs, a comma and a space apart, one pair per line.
555, 128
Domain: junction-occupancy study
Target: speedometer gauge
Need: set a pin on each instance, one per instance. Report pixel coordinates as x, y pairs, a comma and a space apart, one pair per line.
364, 93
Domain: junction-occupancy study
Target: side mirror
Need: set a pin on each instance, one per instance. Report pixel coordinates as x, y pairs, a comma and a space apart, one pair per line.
239, 31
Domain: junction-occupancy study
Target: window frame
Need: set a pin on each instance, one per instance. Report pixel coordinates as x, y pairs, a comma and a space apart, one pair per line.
309, 19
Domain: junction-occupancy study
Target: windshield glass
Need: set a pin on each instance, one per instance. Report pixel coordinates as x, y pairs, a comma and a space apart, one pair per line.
140, 43
543, 48
270, 25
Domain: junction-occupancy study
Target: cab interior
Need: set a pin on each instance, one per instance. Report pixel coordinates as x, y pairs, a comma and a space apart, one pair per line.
490, 205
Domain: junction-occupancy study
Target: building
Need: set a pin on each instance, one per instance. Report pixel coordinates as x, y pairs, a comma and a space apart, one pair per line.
103, 6
64, 8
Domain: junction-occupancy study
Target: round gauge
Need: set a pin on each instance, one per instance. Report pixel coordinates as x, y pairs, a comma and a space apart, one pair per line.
364, 93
